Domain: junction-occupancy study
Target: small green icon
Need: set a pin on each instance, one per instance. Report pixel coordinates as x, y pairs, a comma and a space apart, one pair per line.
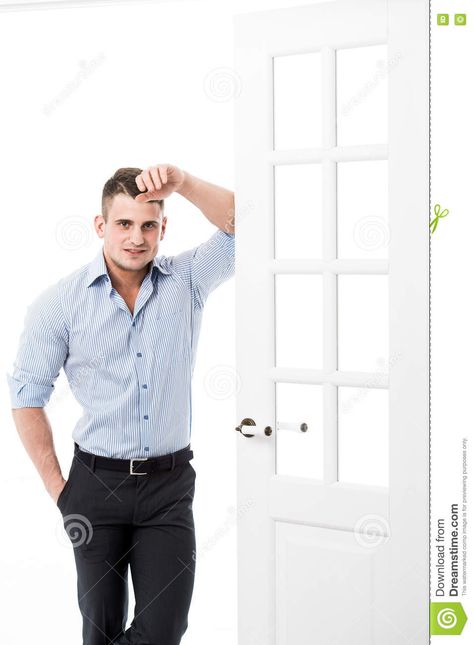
443, 19
438, 215
459, 18
447, 618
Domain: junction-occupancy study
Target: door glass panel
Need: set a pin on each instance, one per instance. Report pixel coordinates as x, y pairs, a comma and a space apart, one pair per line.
363, 435
297, 101
299, 453
362, 95
298, 321
362, 322
298, 205
362, 209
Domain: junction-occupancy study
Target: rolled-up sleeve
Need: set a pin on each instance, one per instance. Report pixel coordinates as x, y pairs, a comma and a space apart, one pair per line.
212, 263
42, 351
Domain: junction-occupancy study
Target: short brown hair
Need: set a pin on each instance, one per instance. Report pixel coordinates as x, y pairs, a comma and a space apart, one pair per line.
123, 181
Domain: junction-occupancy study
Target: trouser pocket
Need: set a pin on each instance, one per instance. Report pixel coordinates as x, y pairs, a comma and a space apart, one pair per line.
63, 494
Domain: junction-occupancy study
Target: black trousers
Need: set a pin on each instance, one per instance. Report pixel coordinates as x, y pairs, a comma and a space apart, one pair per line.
117, 521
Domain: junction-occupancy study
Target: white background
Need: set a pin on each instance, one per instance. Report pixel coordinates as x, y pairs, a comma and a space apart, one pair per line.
85, 91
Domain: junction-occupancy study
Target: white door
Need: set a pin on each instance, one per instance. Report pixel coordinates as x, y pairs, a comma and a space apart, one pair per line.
332, 279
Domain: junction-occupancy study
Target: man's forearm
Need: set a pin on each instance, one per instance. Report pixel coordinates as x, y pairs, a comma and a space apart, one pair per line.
35, 433
216, 203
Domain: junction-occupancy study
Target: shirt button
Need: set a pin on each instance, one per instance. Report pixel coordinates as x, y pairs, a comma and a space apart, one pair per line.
146, 448
133, 324
139, 354
146, 416
145, 385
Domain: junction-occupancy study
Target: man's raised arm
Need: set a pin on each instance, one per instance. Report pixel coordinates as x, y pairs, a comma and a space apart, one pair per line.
215, 202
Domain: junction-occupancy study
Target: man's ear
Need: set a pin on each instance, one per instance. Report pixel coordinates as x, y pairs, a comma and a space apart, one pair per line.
99, 225
164, 221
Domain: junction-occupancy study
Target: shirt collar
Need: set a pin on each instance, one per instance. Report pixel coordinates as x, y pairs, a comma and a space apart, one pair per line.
98, 268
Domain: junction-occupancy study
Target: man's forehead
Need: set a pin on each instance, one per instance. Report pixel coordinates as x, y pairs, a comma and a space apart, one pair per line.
125, 207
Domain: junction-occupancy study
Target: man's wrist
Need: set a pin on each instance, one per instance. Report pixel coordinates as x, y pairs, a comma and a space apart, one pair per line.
187, 185
55, 485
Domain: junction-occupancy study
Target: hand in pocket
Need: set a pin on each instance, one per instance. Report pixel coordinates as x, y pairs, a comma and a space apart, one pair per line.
58, 492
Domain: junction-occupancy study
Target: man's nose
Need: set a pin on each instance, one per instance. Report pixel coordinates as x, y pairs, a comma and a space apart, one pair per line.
136, 237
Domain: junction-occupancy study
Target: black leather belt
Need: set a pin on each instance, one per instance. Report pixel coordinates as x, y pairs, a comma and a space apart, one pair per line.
135, 466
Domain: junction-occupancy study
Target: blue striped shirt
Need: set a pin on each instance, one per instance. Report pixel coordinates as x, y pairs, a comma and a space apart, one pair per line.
131, 373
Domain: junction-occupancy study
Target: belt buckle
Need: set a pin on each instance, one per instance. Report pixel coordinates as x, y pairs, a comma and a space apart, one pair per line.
131, 465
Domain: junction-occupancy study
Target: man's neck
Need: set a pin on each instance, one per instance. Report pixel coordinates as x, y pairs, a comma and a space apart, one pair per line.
126, 281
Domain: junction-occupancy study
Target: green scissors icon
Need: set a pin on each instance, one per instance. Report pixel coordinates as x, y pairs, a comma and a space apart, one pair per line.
438, 215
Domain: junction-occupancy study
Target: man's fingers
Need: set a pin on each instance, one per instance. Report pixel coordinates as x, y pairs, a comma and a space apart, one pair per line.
163, 173
152, 178
155, 177
148, 180
140, 183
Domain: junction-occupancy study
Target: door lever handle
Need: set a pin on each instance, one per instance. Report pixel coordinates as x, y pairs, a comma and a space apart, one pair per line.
246, 423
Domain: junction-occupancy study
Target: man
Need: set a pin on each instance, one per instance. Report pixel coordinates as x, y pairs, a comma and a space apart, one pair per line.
125, 328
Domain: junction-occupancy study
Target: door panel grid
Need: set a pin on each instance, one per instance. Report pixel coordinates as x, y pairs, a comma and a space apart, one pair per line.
329, 157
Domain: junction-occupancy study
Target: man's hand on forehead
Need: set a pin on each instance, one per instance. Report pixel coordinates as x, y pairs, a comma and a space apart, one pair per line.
159, 182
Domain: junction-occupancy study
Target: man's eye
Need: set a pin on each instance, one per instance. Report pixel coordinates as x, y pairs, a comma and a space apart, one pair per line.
149, 225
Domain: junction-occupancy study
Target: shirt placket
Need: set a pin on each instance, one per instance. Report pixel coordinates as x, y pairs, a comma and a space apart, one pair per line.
136, 322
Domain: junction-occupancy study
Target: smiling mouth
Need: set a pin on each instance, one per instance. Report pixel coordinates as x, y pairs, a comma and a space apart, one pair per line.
134, 252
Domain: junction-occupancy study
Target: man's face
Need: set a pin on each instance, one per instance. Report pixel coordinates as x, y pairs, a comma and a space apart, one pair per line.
131, 225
